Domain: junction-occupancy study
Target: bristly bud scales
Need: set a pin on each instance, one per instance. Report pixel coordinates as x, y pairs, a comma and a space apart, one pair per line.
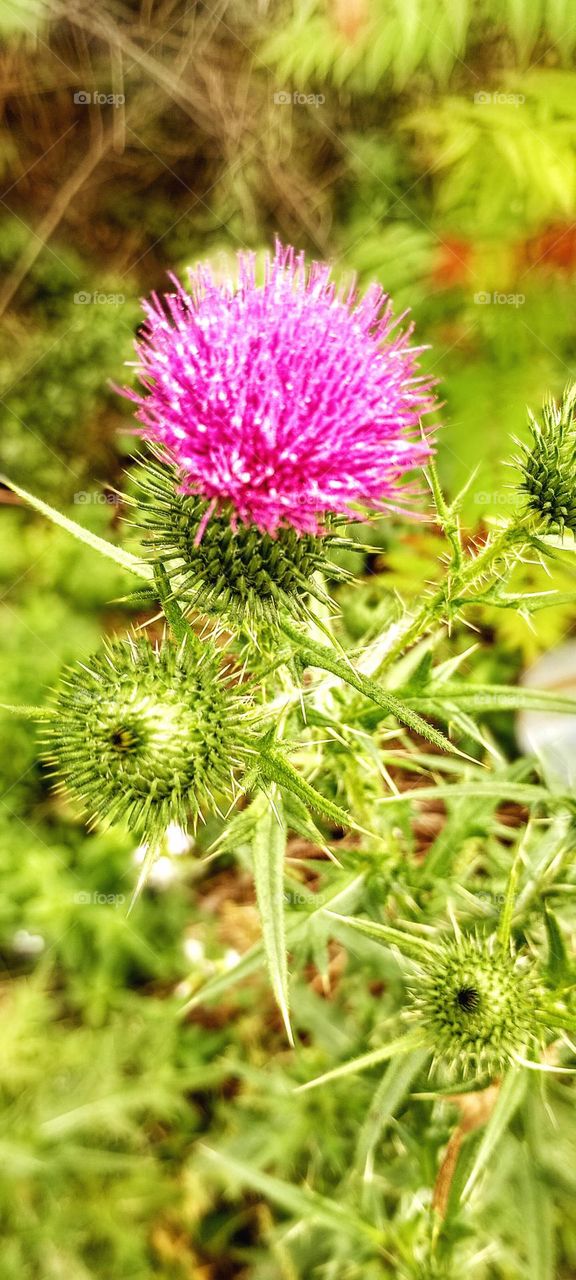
224, 568
146, 735
548, 464
476, 1004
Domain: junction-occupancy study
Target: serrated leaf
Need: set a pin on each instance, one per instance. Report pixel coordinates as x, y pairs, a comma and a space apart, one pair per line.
523, 792
386, 934
238, 832
476, 698
344, 896
509, 1098
391, 1091
321, 656
276, 768
558, 965
298, 819
404, 1044
268, 845
524, 602
123, 558
302, 1202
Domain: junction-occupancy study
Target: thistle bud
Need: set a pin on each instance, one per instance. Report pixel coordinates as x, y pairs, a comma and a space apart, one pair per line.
145, 734
476, 1004
223, 567
548, 464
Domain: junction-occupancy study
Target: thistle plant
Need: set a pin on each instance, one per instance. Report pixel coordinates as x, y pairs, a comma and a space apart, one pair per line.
239, 574
147, 733
477, 1005
548, 465
278, 412
474, 1007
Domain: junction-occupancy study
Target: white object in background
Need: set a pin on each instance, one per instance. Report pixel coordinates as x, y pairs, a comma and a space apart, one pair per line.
551, 735
28, 944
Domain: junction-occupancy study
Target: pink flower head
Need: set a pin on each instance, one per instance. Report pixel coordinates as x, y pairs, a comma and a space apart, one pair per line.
284, 401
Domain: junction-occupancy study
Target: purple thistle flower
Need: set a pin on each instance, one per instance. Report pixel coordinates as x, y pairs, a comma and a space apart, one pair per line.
284, 402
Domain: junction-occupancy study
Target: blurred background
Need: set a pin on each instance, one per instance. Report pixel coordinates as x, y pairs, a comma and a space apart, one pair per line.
426, 144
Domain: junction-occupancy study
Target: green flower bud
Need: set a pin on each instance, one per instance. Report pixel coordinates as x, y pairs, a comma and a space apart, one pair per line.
145, 734
236, 572
548, 464
476, 1004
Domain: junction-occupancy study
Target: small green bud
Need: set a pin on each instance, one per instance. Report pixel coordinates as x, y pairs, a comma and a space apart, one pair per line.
230, 570
476, 1004
145, 734
548, 464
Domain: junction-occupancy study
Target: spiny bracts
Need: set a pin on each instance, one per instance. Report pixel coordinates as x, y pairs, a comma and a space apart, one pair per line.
239, 574
146, 734
476, 1004
548, 464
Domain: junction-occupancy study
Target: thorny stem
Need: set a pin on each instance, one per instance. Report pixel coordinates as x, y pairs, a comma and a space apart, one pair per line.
446, 517
317, 655
27, 713
553, 1019
458, 581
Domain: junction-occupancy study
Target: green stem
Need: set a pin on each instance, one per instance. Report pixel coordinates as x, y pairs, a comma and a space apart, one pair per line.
275, 768
505, 925
491, 552
445, 517
441, 603
319, 655
552, 1019
124, 559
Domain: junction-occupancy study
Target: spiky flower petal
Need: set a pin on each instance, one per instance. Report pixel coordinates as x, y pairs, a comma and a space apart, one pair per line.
476, 1004
236, 574
548, 464
145, 734
284, 402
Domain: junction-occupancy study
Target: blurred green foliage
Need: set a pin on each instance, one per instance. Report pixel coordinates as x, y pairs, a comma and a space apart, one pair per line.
436, 152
